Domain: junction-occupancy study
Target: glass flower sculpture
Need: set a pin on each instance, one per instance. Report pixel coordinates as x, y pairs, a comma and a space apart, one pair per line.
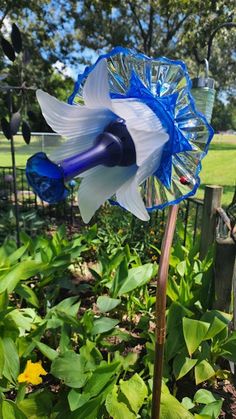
133, 135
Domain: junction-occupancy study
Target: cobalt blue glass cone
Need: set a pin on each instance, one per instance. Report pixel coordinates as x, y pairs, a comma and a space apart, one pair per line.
112, 147
46, 178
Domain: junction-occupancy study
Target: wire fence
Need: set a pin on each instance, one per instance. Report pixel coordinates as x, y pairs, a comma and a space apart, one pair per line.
67, 211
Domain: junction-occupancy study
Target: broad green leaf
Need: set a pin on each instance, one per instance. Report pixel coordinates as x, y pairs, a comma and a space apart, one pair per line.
106, 303
104, 324
175, 316
12, 364
172, 289
4, 300
194, 333
15, 256
203, 371
69, 367
23, 270
181, 268
65, 339
69, 305
204, 396
196, 416
212, 409
229, 348
2, 358
135, 391
89, 410
116, 409
37, 405
210, 315
77, 399
126, 361
28, 294
46, 350
91, 355
21, 319
182, 365
174, 343
11, 411
187, 403
119, 279
215, 328
171, 408
137, 277
101, 376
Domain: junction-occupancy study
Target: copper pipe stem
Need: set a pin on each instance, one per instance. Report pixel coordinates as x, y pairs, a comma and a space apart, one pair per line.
161, 309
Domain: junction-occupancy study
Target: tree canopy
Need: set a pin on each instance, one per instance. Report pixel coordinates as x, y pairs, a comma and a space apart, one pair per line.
71, 32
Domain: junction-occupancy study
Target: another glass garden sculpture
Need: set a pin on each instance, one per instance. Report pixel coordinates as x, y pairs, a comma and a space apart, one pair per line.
133, 134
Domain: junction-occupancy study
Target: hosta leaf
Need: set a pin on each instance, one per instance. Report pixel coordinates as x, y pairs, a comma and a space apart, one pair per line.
38, 405
11, 360
11, 411
171, 408
212, 409
23, 270
203, 371
182, 365
106, 303
69, 367
101, 376
46, 350
229, 348
77, 399
116, 409
204, 396
137, 277
103, 325
135, 391
194, 333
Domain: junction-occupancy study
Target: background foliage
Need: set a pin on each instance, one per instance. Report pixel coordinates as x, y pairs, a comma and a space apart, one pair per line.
70, 33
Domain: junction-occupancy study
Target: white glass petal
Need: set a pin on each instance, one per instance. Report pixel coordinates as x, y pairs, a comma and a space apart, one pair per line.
73, 146
128, 196
100, 185
143, 125
96, 89
73, 121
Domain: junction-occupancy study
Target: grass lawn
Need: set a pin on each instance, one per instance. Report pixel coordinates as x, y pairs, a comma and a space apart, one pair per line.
218, 166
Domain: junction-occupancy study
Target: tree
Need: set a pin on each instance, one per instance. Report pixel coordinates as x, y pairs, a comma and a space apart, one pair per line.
69, 32
174, 28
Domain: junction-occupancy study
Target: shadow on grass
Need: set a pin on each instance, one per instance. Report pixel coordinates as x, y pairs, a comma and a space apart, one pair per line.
220, 147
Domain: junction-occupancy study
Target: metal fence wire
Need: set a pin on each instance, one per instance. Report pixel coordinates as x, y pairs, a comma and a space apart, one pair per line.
190, 213
68, 212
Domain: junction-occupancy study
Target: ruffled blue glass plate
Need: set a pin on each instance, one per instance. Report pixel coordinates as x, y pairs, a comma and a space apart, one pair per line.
165, 86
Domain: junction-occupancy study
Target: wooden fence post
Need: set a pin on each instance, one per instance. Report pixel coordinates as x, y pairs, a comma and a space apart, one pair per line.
225, 271
212, 201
